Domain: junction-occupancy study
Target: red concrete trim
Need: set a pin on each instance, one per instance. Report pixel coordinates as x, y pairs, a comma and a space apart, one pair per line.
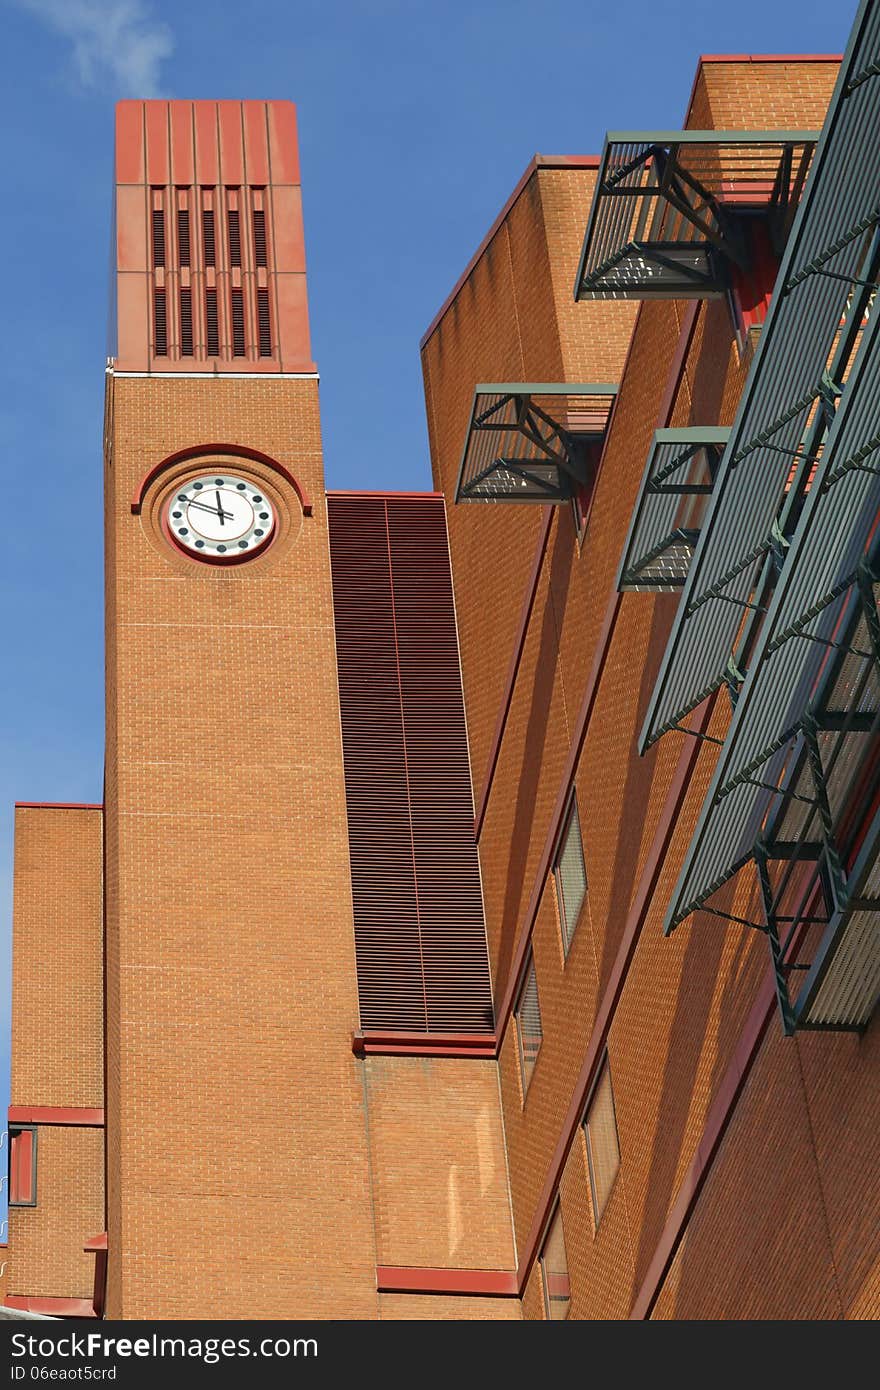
482, 1283
86, 1116
513, 669
596, 1050
194, 451
362, 492
96, 1243
376, 1044
59, 806
539, 161
52, 1307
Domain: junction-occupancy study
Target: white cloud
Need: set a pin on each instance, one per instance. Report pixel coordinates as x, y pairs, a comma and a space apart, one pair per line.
115, 41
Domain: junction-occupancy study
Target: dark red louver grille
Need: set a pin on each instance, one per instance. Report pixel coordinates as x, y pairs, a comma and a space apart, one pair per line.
208, 237
419, 932
234, 237
183, 253
263, 323
186, 323
161, 318
212, 331
158, 237
237, 323
260, 237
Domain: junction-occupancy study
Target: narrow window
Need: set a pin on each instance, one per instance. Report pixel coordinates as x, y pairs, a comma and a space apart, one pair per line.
212, 332
161, 323
570, 874
527, 1016
263, 322
208, 237
237, 323
554, 1270
260, 253
23, 1167
603, 1148
186, 323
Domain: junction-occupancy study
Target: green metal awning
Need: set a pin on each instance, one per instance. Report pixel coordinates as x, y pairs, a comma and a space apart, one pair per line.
667, 213
826, 283
676, 485
533, 441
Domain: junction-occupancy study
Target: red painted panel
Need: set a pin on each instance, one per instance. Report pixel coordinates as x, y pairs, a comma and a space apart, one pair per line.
52, 1307
98, 1242
283, 142
207, 170
485, 1283
133, 322
131, 227
231, 148
286, 233
156, 115
256, 142
292, 319
56, 1115
182, 152
129, 142
21, 1166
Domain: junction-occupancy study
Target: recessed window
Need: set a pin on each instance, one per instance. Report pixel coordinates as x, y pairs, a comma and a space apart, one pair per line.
603, 1148
528, 1025
554, 1270
23, 1166
570, 874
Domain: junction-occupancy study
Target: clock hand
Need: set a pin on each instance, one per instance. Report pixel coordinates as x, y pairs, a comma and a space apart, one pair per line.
203, 507
220, 511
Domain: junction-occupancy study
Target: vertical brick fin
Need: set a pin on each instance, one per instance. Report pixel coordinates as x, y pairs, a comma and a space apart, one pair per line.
390, 981
447, 874
421, 945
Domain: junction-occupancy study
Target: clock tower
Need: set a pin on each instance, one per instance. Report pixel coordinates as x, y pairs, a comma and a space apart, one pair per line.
236, 1147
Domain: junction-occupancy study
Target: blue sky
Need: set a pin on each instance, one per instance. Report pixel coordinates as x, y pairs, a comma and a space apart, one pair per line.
416, 120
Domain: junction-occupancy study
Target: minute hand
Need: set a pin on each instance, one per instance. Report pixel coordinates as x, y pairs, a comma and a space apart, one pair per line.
203, 507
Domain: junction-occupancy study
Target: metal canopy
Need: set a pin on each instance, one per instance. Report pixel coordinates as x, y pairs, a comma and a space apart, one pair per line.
667, 213
533, 442
796, 776
675, 489
789, 397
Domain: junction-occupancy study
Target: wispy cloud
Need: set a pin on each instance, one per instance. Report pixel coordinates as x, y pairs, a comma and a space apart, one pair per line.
115, 42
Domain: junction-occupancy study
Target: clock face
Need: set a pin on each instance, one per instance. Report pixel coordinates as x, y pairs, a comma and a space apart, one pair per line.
220, 517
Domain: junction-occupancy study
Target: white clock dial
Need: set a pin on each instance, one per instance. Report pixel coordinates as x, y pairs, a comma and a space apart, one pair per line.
219, 516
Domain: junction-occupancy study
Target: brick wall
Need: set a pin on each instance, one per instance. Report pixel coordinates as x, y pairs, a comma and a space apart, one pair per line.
57, 1043
237, 1144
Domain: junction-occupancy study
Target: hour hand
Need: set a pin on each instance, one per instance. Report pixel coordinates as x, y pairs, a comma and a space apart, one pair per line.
220, 511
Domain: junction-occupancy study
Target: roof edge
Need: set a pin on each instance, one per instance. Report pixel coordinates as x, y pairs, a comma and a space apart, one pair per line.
538, 161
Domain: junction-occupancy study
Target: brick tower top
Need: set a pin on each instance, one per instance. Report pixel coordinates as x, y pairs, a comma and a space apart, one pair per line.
209, 252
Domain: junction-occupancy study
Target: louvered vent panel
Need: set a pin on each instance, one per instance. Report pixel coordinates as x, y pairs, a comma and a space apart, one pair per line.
237, 299
447, 874
186, 323
183, 251
260, 237
212, 332
158, 237
234, 237
263, 323
161, 322
421, 945
208, 237
390, 983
